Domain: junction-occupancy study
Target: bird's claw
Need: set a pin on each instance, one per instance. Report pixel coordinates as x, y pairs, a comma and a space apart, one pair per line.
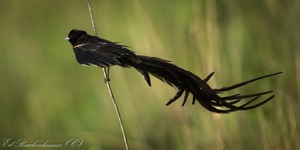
106, 80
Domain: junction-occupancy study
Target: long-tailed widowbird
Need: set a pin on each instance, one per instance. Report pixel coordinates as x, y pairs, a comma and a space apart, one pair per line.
92, 50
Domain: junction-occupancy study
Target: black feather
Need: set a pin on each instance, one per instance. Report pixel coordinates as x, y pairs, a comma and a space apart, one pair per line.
92, 50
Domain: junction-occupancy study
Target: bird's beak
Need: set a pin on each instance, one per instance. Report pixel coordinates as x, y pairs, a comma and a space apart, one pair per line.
67, 38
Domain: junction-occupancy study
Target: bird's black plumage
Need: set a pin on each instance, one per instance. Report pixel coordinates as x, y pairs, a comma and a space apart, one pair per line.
92, 50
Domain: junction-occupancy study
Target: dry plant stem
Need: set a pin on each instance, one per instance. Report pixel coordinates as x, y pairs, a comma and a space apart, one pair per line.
92, 17
106, 79
116, 107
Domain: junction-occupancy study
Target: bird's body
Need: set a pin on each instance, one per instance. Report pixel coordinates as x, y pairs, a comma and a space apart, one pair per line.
92, 50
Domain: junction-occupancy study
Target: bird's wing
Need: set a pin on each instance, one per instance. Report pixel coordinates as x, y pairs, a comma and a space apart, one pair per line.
100, 53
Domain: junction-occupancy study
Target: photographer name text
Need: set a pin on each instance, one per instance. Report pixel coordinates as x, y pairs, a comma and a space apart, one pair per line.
23, 142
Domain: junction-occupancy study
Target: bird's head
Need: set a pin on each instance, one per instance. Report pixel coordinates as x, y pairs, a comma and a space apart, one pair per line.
74, 35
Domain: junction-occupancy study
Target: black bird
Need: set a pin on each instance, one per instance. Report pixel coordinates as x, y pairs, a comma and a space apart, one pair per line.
92, 50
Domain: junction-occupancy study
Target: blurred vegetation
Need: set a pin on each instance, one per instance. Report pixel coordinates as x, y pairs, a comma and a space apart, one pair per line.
46, 95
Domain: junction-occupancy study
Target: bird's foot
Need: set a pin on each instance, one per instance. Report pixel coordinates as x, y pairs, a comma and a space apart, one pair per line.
106, 80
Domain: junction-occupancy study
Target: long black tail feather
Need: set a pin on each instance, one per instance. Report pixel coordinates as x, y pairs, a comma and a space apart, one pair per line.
187, 83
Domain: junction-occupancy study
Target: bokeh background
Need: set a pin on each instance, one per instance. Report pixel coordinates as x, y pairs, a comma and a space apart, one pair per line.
46, 96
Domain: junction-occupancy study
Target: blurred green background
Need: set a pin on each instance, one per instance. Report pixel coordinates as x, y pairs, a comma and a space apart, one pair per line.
46, 95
